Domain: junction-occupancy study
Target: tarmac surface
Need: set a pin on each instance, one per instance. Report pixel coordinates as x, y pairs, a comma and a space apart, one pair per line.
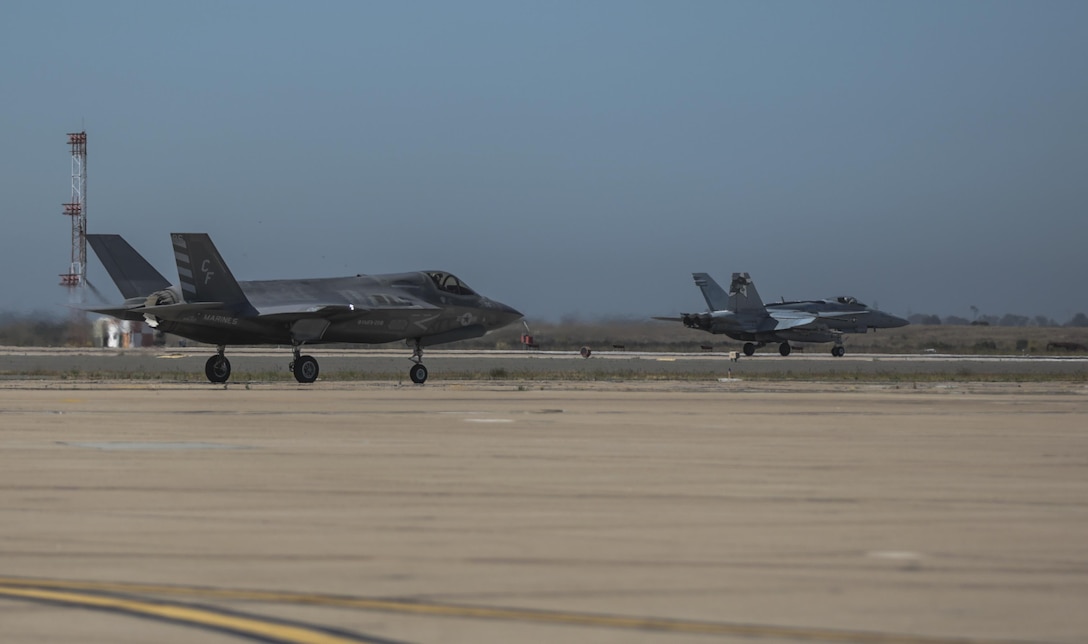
543, 511
392, 364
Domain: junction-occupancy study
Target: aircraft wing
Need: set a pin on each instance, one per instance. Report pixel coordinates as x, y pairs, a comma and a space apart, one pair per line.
842, 316
305, 310
792, 319
317, 310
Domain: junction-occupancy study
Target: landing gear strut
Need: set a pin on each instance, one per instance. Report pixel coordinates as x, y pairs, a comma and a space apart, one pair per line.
749, 348
418, 373
217, 368
304, 367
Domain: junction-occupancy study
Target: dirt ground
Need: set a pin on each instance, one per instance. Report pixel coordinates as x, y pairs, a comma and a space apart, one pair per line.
543, 512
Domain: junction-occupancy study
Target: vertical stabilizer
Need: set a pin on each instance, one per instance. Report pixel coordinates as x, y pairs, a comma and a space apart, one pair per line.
202, 273
132, 274
743, 296
715, 297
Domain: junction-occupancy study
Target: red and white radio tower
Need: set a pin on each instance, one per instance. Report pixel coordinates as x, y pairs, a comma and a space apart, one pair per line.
76, 277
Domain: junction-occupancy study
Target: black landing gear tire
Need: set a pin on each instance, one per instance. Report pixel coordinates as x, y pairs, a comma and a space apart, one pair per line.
305, 369
217, 369
838, 352
749, 349
418, 374
784, 349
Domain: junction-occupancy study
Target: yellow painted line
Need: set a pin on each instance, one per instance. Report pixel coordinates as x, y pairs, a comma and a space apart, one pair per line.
247, 626
795, 633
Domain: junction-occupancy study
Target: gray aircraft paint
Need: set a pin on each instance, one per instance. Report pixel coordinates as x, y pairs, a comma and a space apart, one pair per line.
741, 314
208, 305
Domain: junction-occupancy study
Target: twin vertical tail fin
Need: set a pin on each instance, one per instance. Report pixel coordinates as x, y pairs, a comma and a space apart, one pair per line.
203, 275
742, 295
716, 298
132, 274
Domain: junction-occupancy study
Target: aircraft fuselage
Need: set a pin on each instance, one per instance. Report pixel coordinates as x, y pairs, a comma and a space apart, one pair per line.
460, 316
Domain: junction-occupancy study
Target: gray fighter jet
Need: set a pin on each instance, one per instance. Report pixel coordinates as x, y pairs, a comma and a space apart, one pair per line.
741, 315
209, 305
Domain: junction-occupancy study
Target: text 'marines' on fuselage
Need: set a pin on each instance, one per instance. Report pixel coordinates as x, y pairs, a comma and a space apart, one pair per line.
741, 315
208, 305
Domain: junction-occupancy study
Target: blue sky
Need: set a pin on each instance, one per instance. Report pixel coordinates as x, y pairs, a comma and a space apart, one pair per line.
567, 158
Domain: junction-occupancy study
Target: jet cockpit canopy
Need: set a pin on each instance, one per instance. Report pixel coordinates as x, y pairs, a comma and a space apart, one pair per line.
846, 299
449, 283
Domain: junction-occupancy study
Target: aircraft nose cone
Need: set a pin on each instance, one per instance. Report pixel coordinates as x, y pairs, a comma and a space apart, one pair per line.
506, 315
512, 315
896, 322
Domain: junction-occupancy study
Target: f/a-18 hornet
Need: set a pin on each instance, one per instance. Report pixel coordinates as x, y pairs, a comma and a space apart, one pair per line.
741, 315
208, 305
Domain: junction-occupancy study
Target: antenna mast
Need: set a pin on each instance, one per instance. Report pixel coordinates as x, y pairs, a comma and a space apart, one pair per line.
76, 277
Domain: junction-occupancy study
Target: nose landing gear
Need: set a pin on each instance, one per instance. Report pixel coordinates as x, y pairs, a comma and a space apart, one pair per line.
418, 372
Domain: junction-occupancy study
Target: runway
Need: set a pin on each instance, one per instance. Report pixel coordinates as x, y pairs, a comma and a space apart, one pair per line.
391, 364
645, 511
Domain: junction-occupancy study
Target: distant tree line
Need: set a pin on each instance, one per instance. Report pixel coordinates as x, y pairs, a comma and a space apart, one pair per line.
1009, 319
34, 330
44, 329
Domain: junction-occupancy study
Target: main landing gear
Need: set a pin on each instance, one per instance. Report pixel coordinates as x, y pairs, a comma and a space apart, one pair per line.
217, 368
749, 348
304, 367
418, 372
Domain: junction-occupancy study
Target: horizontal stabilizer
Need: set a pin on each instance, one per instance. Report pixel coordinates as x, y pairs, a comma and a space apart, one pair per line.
171, 311
119, 313
165, 311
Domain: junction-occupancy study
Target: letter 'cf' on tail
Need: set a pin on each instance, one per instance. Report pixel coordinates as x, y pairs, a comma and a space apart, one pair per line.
202, 273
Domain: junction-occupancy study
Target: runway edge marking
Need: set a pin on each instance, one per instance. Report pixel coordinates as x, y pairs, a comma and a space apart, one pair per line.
253, 627
13, 586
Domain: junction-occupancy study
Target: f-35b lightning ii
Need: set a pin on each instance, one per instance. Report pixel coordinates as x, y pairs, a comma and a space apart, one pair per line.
741, 315
208, 305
